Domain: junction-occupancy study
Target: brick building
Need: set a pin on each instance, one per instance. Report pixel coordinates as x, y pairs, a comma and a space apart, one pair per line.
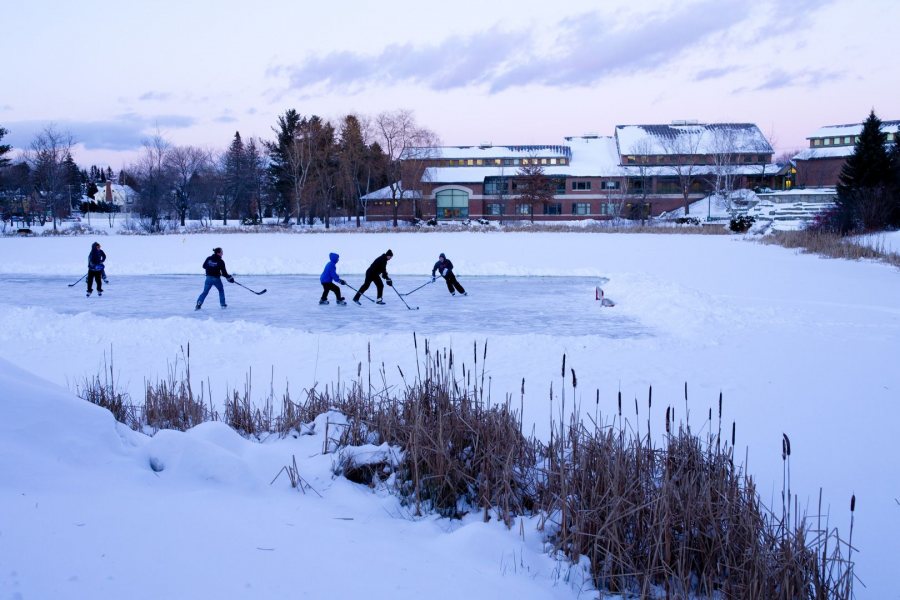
641, 170
820, 165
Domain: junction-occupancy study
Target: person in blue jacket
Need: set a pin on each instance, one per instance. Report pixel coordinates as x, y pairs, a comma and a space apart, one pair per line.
214, 265
95, 269
329, 277
444, 267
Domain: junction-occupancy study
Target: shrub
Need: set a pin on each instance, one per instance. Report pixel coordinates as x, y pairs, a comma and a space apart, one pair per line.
741, 223
687, 221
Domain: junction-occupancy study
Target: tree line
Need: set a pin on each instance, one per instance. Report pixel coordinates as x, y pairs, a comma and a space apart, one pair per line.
313, 170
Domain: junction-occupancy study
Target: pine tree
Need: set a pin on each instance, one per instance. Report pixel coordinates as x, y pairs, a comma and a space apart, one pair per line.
4, 148
236, 173
281, 173
866, 181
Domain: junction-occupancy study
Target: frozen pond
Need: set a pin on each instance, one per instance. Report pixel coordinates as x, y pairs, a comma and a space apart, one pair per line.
563, 306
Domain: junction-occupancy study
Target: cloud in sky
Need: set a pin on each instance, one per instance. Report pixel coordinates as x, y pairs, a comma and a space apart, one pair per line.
125, 132
585, 50
160, 96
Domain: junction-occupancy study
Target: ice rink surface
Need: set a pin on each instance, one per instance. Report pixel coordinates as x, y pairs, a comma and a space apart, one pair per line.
564, 306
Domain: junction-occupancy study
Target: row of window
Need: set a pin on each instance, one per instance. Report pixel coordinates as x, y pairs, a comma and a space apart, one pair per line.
849, 139
495, 209
503, 162
709, 159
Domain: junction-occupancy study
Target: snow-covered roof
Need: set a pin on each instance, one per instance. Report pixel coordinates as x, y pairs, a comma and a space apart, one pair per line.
825, 152
852, 129
385, 194
491, 151
658, 139
594, 156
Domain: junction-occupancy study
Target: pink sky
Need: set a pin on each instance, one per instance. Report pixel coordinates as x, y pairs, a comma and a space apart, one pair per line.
505, 72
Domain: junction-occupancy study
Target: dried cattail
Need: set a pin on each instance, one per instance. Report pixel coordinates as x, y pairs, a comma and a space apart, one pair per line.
720, 405
620, 403
574, 379
650, 398
853, 503
563, 373
733, 427
668, 426
787, 444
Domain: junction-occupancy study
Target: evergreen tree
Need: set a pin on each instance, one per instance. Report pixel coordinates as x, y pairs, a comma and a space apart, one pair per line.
72, 181
4, 148
236, 173
866, 182
281, 172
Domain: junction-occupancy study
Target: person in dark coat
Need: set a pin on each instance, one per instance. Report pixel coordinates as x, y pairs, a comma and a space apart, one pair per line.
214, 265
328, 278
95, 269
377, 270
445, 268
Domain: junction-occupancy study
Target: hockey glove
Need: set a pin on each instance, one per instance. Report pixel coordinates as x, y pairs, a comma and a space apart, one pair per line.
433, 279
389, 282
342, 282
230, 279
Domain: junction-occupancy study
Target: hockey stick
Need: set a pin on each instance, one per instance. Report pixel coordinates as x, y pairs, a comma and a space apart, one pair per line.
420, 287
357, 291
399, 295
248, 289
76, 283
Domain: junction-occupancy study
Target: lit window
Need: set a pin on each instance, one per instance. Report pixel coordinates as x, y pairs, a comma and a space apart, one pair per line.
470, 162
817, 142
552, 161
479, 162
452, 204
629, 160
524, 161
497, 161
543, 161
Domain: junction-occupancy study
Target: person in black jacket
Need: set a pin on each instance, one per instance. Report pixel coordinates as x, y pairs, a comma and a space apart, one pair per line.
95, 269
445, 268
214, 265
377, 269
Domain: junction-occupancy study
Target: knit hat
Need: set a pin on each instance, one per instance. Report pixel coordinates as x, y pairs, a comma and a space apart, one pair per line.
389, 253
441, 255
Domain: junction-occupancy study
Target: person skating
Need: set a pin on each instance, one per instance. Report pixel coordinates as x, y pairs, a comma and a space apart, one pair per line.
445, 268
95, 269
214, 265
374, 273
328, 278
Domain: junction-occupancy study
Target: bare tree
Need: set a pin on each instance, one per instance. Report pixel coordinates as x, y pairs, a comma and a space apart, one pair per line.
535, 188
643, 149
724, 148
406, 147
46, 157
683, 145
186, 164
152, 178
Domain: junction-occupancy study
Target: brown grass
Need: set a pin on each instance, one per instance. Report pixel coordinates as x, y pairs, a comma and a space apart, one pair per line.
658, 516
831, 245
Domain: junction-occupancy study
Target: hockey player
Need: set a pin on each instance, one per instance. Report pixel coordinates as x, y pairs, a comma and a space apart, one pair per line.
328, 278
376, 270
445, 268
95, 269
214, 265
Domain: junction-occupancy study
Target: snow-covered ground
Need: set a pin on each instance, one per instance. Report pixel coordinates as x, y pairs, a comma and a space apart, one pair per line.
888, 242
798, 345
